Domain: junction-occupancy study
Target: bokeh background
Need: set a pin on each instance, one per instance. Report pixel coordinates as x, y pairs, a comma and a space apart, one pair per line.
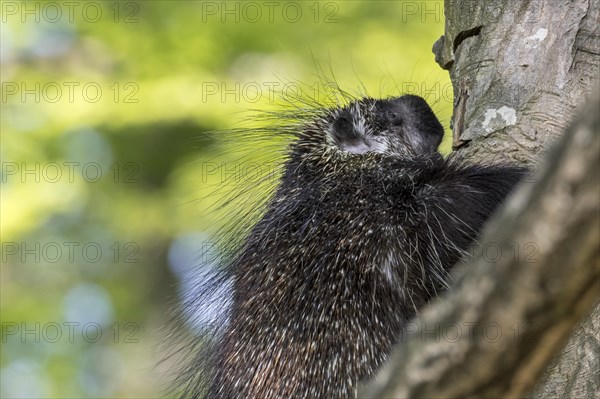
108, 170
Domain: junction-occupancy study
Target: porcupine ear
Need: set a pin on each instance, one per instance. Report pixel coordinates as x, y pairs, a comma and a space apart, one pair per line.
347, 136
420, 127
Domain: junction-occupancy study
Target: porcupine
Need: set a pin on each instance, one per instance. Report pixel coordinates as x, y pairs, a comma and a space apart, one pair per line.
362, 230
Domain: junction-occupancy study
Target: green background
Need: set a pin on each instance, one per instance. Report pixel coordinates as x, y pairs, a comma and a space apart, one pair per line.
108, 173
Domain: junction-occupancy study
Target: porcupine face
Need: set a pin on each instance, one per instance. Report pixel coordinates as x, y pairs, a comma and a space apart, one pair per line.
403, 125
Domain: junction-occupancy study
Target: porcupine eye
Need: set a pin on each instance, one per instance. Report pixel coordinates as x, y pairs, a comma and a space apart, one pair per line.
394, 118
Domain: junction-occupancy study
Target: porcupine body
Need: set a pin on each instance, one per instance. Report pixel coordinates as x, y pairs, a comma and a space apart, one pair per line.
362, 230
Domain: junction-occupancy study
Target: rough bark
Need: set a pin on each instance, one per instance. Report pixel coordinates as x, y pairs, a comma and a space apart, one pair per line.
575, 373
520, 69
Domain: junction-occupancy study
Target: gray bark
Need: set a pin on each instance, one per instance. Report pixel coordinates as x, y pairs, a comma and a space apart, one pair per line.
537, 59
520, 70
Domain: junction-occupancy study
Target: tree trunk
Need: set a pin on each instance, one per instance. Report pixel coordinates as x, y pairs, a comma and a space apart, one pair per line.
520, 69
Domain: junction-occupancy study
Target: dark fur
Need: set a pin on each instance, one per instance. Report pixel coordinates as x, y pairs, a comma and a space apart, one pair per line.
362, 230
